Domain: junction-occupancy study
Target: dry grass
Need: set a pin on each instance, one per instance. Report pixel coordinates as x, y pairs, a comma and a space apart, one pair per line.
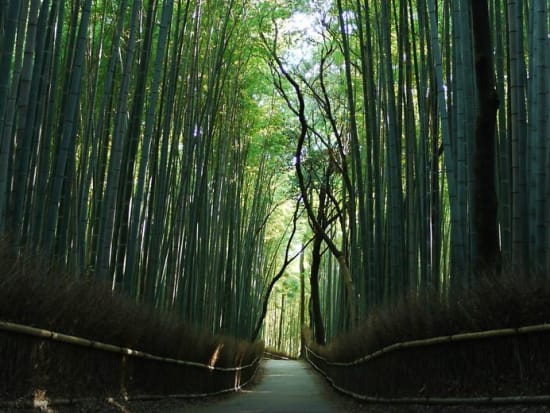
35, 292
507, 301
497, 366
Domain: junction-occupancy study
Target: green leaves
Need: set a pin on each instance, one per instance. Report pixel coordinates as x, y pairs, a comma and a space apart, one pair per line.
154, 142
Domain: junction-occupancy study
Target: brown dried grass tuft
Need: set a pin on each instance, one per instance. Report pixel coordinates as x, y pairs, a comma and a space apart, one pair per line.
510, 300
36, 292
495, 366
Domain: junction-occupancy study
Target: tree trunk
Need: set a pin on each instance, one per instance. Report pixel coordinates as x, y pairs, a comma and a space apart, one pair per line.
280, 340
316, 315
302, 303
485, 202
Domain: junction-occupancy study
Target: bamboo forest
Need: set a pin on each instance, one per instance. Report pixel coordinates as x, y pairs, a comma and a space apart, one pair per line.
280, 171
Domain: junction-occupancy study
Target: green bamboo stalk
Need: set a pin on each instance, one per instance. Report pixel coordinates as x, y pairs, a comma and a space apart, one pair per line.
393, 154
518, 121
46, 111
7, 137
109, 223
8, 44
537, 92
69, 120
485, 203
504, 167
25, 114
138, 199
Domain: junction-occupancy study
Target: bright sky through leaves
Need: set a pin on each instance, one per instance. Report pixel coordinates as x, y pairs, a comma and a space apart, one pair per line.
303, 29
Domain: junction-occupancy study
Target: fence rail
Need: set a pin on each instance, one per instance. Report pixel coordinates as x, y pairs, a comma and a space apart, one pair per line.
237, 382
539, 328
315, 360
270, 355
141, 397
82, 342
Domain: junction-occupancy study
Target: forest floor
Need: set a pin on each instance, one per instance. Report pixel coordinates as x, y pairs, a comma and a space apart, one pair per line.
281, 386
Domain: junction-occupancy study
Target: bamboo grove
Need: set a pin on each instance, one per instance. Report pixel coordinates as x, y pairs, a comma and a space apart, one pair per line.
149, 142
422, 138
126, 150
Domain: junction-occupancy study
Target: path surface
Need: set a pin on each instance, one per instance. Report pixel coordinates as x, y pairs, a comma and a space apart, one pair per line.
286, 387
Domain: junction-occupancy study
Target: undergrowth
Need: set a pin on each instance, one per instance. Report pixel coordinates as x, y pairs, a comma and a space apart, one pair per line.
490, 367
37, 293
496, 302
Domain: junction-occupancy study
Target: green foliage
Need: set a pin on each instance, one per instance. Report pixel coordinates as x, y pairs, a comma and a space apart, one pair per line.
154, 143
394, 82
154, 149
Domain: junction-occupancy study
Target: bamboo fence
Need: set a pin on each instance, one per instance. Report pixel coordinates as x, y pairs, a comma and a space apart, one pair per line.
455, 338
82, 342
96, 345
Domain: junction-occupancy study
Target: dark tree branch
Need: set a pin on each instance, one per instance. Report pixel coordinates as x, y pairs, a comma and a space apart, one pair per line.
317, 227
286, 262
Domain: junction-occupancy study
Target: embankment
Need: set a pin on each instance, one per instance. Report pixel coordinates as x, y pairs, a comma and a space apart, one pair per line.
487, 346
64, 337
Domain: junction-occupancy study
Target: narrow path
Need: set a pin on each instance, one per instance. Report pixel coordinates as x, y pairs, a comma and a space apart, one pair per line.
286, 386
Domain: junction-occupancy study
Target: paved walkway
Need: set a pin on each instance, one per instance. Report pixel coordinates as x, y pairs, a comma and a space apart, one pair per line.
286, 387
